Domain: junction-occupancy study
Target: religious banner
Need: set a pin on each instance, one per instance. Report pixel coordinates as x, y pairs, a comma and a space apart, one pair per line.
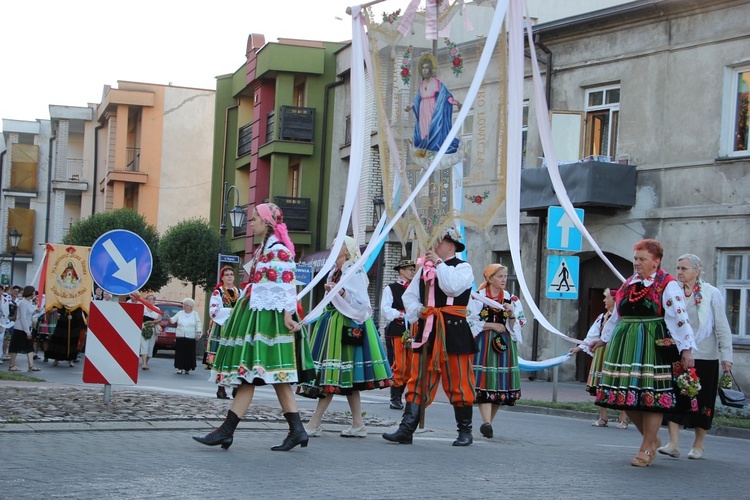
67, 280
424, 61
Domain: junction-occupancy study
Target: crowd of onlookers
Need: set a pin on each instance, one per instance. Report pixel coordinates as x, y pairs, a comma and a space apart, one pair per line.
27, 329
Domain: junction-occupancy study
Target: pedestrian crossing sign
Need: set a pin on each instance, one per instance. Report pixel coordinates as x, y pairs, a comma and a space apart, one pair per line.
562, 277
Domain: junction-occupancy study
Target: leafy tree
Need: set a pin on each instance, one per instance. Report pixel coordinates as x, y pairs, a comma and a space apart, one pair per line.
190, 249
86, 231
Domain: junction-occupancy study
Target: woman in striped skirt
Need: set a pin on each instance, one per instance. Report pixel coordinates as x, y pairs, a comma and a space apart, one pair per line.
649, 345
345, 344
498, 377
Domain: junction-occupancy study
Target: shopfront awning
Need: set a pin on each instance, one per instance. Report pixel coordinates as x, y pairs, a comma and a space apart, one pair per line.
317, 259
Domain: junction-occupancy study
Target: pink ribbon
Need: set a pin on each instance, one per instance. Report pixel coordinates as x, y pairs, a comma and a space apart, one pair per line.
428, 276
408, 18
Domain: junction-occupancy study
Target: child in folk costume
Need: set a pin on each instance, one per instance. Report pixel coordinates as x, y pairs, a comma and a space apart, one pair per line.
498, 377
349, 357
223, 300
262, 341
595, 372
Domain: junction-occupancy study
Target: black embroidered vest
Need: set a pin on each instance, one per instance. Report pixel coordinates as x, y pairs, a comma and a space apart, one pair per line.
396, 328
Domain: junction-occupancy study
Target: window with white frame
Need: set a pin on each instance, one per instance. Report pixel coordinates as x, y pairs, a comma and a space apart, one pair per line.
602, 121
734, 277
739, 118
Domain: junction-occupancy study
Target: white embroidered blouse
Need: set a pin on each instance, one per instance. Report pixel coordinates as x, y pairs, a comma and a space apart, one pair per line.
274, 287
675, 315
477, 323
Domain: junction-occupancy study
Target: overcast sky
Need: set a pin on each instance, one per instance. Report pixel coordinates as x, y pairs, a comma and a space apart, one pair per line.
56, 52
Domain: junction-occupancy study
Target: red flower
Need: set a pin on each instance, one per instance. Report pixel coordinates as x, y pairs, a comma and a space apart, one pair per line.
404, 71
514, 299
620, 398
283, 255
257, 277
456, 62
678, 369
287, 276
665, 400
271, 274
241, 370
647, 399
478, 199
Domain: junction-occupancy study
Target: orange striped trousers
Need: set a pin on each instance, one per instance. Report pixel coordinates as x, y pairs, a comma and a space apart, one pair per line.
455, 372
401, 367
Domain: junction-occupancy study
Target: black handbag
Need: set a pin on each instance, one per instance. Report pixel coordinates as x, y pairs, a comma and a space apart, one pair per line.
731, 397
353, 334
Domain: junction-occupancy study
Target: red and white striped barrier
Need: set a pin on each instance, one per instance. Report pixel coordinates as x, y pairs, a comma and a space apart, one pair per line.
113, 343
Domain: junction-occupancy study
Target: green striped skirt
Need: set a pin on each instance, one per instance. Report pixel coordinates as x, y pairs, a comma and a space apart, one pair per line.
342, 368
498, 377
255, 347
637, 369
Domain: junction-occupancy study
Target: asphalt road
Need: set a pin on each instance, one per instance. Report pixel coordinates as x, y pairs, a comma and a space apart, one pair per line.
531, 456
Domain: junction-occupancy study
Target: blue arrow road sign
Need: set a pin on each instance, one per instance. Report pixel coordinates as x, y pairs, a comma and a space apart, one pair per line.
562, 277
120, 262
561, 233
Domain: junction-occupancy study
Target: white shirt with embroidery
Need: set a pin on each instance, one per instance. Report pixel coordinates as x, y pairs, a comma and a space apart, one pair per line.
477, 324
675, 315
274, 285
219, 314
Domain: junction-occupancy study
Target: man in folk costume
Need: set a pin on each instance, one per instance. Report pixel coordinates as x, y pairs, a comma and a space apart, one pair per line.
443, 347
396, 334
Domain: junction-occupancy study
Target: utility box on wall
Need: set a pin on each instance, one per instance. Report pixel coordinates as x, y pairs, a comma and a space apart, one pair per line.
589, 184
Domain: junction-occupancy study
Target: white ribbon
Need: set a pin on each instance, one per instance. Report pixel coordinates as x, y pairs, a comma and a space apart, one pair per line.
484, 61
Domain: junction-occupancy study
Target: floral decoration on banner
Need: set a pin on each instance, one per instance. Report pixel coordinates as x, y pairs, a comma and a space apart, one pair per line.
406, 66
479, 198
457, 62
689, 383
392, 17
428, 222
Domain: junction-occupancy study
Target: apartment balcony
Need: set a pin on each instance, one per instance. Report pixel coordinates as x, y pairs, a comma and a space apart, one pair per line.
133, 160
71, 178
296, 212
603, 187
296, 132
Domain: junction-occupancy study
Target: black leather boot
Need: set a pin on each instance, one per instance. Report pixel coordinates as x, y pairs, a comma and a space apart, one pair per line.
297, 434
396, 393
407, 427
463, 419
223, 435
221, 393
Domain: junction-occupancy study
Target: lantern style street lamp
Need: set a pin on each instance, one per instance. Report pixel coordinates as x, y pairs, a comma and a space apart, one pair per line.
14, 238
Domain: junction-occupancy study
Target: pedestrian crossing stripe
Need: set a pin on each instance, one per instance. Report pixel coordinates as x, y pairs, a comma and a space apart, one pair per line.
562, 277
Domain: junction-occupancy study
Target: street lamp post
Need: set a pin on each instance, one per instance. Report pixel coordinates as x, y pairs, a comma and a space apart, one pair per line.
236, 217
14, 237
379, 207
